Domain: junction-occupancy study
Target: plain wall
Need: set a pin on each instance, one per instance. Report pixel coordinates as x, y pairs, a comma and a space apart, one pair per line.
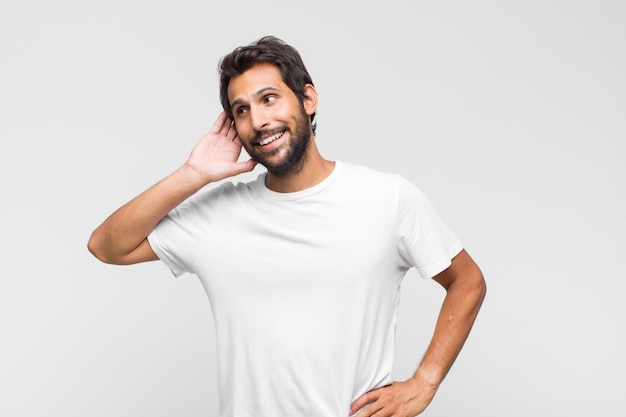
509, 115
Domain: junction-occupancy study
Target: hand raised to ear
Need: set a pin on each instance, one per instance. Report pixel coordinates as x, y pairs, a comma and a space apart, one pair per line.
215, 156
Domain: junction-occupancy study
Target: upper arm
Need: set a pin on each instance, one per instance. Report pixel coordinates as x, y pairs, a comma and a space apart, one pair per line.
142, 253
462, 270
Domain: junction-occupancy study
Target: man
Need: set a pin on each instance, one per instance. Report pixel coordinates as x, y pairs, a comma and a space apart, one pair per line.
302, 266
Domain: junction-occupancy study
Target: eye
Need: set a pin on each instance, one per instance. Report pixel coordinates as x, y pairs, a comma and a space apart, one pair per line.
269, 99
241, 110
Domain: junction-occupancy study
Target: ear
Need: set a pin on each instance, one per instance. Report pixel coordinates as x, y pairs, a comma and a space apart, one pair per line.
309, 100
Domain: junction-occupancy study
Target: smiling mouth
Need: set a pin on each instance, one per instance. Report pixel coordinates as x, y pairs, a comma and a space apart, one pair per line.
271, 138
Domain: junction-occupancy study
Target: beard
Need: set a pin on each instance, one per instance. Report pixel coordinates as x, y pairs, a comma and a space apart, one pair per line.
296, 154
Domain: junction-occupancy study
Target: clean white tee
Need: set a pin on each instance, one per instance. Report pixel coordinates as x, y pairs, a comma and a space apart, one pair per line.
305, 286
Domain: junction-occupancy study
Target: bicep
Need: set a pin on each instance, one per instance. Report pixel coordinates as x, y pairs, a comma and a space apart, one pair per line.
462, 269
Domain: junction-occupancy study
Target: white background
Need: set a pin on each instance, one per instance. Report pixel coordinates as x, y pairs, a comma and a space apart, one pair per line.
510, 115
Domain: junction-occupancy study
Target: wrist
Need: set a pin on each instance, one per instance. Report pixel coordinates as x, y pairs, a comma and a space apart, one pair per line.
429, 377
191, 177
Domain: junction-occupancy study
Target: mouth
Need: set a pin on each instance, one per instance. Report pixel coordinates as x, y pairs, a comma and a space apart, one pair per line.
271, 138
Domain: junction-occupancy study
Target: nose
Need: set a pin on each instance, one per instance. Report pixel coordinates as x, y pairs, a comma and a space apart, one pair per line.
259, 118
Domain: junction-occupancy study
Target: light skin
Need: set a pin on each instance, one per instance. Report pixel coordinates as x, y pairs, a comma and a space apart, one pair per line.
265, 118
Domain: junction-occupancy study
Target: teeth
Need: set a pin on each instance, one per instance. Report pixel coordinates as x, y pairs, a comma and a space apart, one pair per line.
270, 139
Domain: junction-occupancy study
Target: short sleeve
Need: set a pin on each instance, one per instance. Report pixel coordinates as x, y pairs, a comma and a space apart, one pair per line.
176, 238
163, 251
424, 241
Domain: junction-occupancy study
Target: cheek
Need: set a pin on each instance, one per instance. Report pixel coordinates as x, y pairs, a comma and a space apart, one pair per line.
243, 129
286, 115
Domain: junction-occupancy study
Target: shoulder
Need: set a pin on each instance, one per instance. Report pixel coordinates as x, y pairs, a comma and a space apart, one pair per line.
368, 176
219, 195
387, 186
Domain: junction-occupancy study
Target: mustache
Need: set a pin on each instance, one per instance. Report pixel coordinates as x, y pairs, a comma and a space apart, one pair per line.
260, 134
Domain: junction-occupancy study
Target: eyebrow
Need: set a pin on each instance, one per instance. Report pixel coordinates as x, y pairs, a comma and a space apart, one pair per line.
255, 96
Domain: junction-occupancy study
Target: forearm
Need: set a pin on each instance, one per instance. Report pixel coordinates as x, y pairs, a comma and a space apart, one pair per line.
122, 232
458, 312
121, 239
465, 288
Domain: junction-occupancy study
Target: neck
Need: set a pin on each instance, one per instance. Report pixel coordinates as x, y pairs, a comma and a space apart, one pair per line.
314, 170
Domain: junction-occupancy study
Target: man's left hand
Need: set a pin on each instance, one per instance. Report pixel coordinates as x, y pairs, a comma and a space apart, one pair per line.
400, 399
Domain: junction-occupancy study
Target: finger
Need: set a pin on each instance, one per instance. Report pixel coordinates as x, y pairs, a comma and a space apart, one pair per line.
362, 401
237, 139
246, 166
231, 134
221, 122
369, 410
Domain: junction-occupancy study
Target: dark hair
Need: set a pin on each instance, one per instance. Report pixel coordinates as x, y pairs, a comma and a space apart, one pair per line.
271, 50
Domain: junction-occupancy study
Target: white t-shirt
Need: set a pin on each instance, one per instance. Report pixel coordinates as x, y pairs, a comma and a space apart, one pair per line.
304, 286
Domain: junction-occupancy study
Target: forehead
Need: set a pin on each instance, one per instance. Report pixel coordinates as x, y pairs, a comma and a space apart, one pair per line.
257, 78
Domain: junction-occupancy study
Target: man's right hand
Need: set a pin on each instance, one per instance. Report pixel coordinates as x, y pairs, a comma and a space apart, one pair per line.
215, 156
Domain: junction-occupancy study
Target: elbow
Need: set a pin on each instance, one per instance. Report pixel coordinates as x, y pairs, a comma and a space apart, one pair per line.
482, 288
110, 251
96, 248
473, 286
476, 282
